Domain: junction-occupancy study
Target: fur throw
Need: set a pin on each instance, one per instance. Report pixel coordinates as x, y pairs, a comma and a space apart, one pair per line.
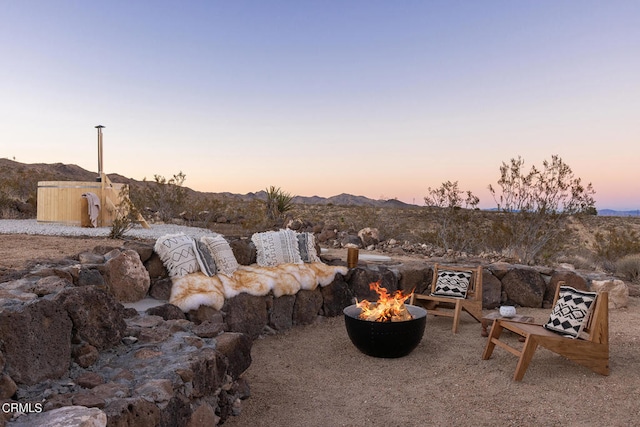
196, 289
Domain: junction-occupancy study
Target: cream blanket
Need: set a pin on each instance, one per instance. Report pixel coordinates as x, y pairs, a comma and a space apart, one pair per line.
193, 290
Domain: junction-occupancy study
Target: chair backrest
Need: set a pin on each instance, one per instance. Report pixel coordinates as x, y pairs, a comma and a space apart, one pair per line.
597, 327
474, 291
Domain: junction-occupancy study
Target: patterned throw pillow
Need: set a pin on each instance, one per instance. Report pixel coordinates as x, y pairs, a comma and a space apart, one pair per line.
276, 247
205, 258
177, 254
307, 247
571, 313
452, 283
222, 253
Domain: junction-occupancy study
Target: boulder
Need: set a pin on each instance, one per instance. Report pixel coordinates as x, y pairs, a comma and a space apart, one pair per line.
97, 317
126, 277
244, 250
247, 314
336, 296
491, 290
360, 278
236, 348
166, 311
36, 340
369, 236
524, 287
90, 277
415, 279
617, 289
80, 416
569, 277
281, 312
307, 306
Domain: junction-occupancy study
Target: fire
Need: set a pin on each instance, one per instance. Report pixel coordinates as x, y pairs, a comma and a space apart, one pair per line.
388, 308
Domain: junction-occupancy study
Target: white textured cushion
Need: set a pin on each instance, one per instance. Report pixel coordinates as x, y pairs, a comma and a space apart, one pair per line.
571, 312
222, 253
307, 247
452, 283
276, 247
177, 254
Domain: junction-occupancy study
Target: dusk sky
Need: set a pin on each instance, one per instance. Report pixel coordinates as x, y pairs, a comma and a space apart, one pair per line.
382, 99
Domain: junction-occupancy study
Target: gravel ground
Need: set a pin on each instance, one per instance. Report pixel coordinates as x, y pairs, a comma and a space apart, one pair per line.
33, 227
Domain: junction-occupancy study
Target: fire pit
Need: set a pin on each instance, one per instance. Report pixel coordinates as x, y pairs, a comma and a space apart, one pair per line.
387, 328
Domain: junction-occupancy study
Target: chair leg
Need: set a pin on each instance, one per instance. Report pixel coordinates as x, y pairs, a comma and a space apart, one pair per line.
496, 331
456, 317
530, 345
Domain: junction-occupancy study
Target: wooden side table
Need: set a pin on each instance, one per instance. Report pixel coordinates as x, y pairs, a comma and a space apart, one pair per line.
496, 315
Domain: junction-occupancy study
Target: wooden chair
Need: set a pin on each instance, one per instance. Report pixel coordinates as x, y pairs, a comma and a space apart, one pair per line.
439, 305
591, 352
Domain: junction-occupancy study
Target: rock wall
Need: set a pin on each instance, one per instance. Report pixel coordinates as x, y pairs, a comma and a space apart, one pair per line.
69, 347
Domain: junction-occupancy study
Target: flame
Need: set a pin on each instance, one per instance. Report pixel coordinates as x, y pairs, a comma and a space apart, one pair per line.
388, 308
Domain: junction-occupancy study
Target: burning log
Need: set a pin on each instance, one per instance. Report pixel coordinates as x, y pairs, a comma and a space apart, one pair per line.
388, 308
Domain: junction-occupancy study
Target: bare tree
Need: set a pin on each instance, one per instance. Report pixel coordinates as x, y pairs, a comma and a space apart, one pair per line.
536, 204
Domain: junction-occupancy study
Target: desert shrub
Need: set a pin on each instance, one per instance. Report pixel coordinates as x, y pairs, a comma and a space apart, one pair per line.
447, 203
629, 267
126, 215
614, 244
537, 204
278, 203
166, 197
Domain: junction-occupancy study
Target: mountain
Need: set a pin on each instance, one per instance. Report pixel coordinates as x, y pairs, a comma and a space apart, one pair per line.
611, 212
15, 171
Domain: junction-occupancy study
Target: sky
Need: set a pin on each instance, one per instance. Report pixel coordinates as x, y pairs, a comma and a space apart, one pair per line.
383, 99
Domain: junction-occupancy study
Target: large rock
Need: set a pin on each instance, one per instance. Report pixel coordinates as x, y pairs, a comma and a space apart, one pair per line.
307, 306
617, 289
72, 416
281, 312
247, 314
415, 279
524, 287
36, 340
369, 236
491, 290
336, 296
244, 250
360, 280
126, 277
570, 278
236, 348
97, 317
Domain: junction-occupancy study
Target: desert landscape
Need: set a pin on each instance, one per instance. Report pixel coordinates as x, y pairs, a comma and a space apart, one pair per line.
313, 375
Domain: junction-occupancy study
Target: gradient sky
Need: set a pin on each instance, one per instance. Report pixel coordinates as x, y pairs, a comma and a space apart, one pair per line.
376, 98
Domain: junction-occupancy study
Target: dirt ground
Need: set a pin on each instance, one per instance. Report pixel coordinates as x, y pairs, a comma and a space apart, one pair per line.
313, 375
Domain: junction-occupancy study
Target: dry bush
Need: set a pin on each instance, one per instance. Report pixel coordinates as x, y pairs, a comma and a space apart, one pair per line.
629, 267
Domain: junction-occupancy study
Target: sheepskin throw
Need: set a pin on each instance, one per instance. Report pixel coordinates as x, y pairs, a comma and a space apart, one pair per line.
191, 291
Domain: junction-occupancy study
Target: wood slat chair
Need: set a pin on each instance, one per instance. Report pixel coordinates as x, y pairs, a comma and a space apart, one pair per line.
592, 351
450, 306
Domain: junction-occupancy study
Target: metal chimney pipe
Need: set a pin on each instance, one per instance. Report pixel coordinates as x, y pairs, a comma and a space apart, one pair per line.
100, 170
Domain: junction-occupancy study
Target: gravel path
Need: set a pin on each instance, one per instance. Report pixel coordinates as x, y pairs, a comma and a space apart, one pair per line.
31, 226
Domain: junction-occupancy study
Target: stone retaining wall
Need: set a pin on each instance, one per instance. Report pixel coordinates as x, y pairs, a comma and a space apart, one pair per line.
67, 342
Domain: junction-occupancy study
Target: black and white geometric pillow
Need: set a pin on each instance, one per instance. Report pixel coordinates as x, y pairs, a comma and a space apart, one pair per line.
452, 284
571, 313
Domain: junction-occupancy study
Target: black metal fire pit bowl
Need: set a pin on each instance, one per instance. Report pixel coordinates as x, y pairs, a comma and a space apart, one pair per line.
385, 339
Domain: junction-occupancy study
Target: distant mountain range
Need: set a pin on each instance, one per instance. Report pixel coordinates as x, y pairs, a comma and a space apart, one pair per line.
63, 172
